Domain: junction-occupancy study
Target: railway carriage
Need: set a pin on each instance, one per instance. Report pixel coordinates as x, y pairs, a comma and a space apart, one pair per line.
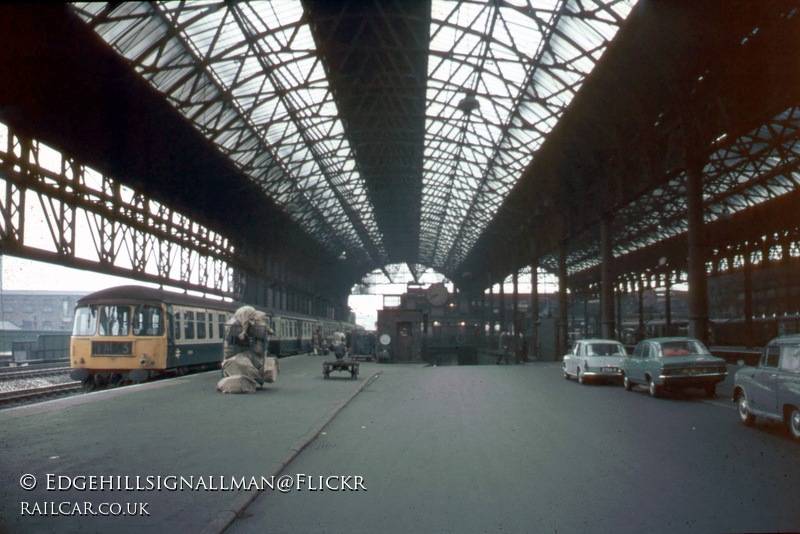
132, 333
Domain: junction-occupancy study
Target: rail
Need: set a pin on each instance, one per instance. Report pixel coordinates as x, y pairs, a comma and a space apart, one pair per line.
8, 397
16, 372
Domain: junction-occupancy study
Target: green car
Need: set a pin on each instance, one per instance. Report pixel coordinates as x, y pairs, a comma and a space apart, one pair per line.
673, 363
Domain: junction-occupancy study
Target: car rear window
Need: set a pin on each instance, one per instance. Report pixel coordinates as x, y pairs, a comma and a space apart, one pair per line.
682, 348
605, 349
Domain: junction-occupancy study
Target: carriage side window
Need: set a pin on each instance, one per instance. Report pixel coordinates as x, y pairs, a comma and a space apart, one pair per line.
85, 321
188, 325
201, 325
177, 325
222, 320
148, 321
114, 321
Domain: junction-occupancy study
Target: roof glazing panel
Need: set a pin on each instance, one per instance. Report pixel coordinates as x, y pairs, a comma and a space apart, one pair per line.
249, 77
518, 64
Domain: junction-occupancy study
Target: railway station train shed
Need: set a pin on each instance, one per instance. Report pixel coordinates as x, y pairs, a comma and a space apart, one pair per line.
278, 152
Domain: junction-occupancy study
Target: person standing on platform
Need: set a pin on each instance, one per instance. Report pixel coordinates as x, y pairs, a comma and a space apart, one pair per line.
339, 347
503, 347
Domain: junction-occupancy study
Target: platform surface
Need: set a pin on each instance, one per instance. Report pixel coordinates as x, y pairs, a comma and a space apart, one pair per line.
173, 428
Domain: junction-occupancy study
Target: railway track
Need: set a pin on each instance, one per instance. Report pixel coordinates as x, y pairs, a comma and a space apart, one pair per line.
17, 373
24, 395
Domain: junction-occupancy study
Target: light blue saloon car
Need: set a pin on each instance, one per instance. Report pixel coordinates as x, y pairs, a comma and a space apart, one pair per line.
594, 359
673, 363
772, 388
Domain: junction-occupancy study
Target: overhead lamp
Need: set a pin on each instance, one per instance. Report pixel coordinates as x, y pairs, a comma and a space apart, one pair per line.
469, 103
342, 256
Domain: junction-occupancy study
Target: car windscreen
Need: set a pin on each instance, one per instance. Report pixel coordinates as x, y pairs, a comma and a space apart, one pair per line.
605, 349
682, 348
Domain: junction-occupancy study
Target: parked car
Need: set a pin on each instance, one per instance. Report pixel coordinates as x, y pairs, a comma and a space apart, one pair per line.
592, 359
673, 363
772, 388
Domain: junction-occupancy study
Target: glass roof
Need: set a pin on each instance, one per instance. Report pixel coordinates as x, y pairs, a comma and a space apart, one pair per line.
249, 77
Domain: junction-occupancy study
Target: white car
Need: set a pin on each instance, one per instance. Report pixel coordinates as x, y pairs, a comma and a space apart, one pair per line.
592, 359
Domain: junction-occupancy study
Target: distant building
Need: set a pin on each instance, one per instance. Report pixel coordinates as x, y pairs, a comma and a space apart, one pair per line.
39, 310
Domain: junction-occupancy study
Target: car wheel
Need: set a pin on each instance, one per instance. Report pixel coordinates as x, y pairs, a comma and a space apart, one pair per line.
655, 389
711, 391
745, 417
794, 422
581, 378
627, 383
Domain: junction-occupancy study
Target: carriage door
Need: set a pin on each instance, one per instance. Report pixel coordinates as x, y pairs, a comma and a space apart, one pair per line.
171, 329
403, 342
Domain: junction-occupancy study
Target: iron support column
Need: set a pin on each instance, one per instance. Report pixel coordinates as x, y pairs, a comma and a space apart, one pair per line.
515, 311
607, 280
492, 337
619, 315
640, 300
533, 346
667, 304
586, 314
748, 297
698, 284
502, 298
563, 337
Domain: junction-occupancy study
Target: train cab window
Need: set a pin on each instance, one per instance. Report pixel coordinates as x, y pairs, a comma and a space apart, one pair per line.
201, 325
188, 325
85, 321
222, 320
114, 321
148, 321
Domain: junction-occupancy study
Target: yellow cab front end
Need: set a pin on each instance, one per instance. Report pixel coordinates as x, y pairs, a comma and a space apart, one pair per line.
118, 342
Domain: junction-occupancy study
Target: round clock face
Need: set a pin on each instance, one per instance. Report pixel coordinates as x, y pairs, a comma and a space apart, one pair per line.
437, 294
385, 339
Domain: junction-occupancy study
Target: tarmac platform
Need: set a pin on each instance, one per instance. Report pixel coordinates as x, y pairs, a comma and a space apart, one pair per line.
88, 450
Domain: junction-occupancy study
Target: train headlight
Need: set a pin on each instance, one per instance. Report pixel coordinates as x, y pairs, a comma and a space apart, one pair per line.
143, 360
